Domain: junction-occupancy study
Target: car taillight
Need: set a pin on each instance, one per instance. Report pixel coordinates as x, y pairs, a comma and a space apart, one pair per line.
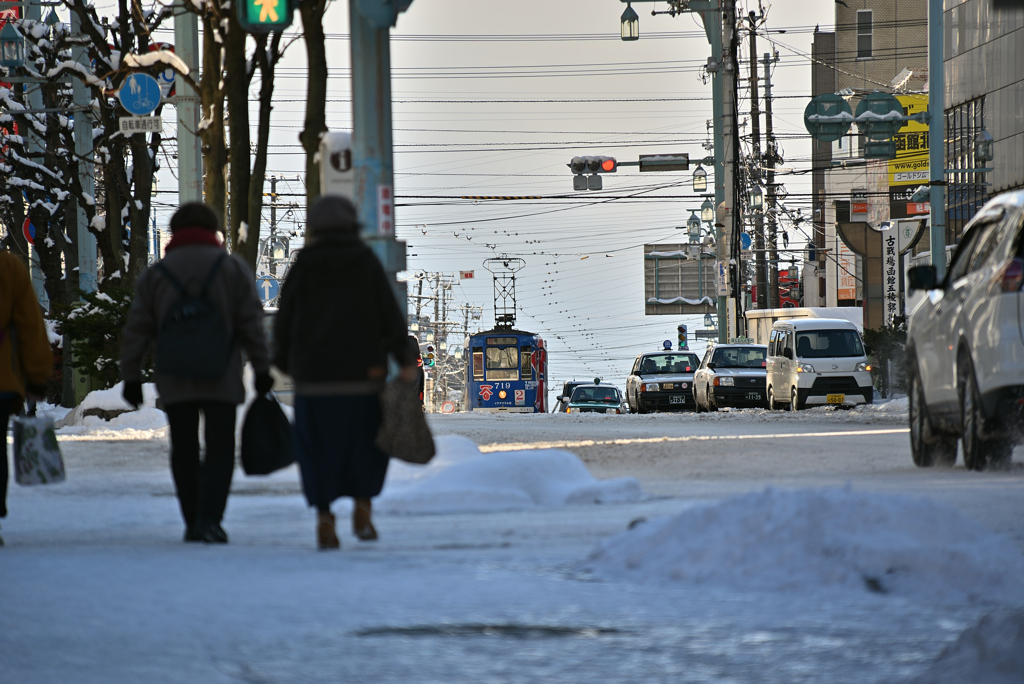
1012, 275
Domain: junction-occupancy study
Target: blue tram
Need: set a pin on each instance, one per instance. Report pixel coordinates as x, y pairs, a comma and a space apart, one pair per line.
507, 372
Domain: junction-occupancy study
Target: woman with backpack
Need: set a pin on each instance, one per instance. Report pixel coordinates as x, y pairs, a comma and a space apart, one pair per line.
336, 324
200, 306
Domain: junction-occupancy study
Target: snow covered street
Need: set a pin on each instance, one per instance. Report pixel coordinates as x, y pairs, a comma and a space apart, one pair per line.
669, 561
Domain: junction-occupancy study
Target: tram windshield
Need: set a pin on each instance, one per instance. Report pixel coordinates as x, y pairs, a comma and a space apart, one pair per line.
502, 363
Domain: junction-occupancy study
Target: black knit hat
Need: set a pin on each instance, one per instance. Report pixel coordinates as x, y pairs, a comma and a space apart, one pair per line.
331, 214
195, 215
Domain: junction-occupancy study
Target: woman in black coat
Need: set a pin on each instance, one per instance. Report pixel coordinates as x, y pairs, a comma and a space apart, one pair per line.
338, 321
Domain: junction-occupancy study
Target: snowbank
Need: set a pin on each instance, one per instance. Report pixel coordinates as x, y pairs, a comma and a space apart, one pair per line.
990, 652
110, 401
778, 540
461, 479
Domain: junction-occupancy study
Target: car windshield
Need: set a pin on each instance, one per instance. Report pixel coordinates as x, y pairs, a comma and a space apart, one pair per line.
608, 395
739, 357
668, 363
827, 344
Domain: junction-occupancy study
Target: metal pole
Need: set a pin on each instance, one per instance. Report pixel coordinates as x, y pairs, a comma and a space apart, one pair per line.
273, 226
937, 137
83, 150
760, 271
190, 155
771, 151
372, 157
731, 143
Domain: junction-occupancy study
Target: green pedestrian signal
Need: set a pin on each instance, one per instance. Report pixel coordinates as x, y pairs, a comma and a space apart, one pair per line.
265, 16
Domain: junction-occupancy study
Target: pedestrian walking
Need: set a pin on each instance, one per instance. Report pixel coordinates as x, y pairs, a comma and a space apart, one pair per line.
26, 362
337, 322
201, 308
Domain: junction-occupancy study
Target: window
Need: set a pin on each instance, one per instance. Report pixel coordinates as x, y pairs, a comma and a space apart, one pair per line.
827, 344
863, 34
604, 395
772, 346
966, 192
502, 362
739, 357
527, 361
669, 363
478, 363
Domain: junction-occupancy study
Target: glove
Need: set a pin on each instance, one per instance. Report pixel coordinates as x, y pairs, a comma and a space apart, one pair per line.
133, 393
34, 391
264, 383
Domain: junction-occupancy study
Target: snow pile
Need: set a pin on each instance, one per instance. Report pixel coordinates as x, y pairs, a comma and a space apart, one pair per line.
897, 405
461, 479
111, 401
990, 652
778, 540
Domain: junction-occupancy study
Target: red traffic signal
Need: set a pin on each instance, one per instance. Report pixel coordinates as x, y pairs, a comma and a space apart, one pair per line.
609, 165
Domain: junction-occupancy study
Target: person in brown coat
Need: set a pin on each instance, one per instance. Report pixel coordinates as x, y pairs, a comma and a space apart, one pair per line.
192, 255
26, 362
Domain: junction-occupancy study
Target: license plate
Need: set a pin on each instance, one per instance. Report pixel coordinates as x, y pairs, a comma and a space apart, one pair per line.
835, 398
667, 386
753, 396
678, 399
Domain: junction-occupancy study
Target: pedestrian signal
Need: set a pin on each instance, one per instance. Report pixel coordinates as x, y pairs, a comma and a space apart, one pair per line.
265, 16
430, 355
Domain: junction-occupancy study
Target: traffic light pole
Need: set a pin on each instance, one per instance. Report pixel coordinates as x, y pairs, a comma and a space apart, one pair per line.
937, 137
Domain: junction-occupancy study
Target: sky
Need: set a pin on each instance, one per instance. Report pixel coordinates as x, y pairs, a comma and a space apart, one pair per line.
493, 99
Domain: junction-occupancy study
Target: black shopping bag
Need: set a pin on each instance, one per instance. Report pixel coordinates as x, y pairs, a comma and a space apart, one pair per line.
404, 432
266, 438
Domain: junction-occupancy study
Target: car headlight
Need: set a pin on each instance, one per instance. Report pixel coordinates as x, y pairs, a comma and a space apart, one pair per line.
573, 410
649, 387
611, 410
863, 366
804, 368
720, 381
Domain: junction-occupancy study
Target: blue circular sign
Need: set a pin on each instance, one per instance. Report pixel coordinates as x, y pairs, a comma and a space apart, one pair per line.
139, 94
268, 288
745, 240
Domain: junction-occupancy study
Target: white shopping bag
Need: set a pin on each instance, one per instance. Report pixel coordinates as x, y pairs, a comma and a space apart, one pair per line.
37, 458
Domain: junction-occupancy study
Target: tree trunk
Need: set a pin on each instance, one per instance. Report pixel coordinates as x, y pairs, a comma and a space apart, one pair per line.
215, 154
237, 90
316, 92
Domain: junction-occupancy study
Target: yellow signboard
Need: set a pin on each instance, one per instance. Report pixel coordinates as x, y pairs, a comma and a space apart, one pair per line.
910, 167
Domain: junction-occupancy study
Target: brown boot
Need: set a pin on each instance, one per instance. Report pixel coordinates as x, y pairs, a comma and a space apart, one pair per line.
326, 537
362, 525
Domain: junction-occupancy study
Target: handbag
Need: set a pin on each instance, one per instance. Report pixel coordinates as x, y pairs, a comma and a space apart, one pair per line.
37, 458
266, 437
404, 432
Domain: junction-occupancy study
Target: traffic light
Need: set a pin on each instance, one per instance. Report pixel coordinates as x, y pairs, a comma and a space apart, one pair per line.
593, 166
683, 342
430, 355
265, 16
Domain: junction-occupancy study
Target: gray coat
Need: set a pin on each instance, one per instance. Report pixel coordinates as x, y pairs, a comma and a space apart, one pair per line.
233, 291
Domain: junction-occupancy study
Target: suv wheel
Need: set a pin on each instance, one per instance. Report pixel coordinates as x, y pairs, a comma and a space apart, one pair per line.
926, 448
979, 453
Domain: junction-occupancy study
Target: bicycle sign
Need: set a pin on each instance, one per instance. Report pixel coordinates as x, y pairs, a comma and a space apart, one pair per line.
140, 94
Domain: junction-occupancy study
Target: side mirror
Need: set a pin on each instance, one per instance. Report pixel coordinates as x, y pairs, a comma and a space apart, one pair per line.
711, 366
867, 350
559, 398
788, 353
922, 278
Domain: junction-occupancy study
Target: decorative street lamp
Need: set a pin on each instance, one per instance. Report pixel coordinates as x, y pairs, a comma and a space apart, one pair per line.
756, 198
707, 211
693, 226
700, 179
12, 47
630, 24
983, 147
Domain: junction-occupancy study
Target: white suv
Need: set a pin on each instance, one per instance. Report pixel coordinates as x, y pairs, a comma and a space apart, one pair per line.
965, 344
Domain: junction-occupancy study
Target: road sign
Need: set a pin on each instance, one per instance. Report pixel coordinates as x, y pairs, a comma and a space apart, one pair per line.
879, 116
140, 124
166, 77
448, 407
140, 94
745, 240
664, 162
466, 275
268, 288
828, 117
29, 231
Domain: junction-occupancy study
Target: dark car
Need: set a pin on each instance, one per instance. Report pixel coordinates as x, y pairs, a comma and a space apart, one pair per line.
562, 400
732, 375
661, 381
596, 398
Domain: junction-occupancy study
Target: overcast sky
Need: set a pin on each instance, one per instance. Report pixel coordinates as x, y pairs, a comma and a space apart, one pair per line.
492, 98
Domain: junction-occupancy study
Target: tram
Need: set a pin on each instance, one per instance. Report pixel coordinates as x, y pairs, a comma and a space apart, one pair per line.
507, 372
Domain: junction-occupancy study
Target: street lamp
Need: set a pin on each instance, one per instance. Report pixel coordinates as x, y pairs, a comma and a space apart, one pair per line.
983, 147
707, 211
12, 47
630, 24
756, 198
693, 226
700, 179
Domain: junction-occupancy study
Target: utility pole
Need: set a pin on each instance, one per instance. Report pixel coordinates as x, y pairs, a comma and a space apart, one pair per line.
731, 159
190, 156
770, 157
437, 341
937, 137
83, 150
273, 226
760, 277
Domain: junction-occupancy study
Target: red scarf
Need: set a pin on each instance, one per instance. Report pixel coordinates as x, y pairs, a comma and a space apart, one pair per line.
193, 236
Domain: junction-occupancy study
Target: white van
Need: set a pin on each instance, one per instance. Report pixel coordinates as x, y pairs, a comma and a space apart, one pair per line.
816, 362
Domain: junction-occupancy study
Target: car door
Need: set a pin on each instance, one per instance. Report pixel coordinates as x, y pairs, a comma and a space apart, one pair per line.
631, 385
769, 366
700, 380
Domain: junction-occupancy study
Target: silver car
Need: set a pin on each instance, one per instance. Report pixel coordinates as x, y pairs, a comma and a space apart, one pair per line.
965, 344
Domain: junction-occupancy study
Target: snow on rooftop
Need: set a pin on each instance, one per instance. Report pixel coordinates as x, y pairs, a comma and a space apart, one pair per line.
797, 540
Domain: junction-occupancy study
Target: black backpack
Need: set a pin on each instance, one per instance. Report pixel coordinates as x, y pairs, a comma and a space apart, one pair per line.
193, 341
